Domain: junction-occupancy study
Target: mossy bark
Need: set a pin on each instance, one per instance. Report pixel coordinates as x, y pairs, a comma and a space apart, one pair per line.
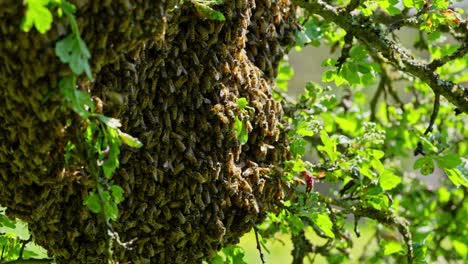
173, 78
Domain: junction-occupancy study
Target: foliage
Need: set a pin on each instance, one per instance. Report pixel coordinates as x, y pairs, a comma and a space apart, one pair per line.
205, 10
352, 140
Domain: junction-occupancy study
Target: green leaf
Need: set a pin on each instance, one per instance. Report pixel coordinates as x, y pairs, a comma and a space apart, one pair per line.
117, 193
391, 247
111, 210
377, 154
329, 146
389, 180
456, 177
420, 251
323, 221
37, 14
448, 161
73, 50
241, 131
206, 11
377, 199
217, 260
413, 3
78, 100
426, 164
305, 128
347, 124
349, 71
109, 121
301, 38
5, 221
129, 140
298, 166
234, 255
242, 103
328, 76
461, 248
67, 7
68, 150
297, 147
93, 203
285, 73
112, 161
359, 52
428, 145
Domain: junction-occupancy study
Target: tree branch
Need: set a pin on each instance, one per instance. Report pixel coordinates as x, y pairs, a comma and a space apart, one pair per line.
373, 37
259, 248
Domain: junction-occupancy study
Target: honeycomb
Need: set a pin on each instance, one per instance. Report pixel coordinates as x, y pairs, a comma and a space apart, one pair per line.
173, 78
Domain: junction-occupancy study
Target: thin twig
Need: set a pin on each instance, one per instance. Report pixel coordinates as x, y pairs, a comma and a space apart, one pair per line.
435, 111
23, 245
375, 99
348, 39
262, 257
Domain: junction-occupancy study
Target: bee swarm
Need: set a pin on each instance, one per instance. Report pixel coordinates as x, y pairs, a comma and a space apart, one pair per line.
173, 78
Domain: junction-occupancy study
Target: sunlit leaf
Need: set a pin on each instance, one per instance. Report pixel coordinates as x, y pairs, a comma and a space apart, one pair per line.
456, 177
129, 140
117, 193
37, 15
426, 164
389, 180
324, 223
93, 203
73, 51
391, 247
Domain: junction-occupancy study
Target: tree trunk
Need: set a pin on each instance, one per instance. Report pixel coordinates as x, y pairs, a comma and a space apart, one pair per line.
173, 78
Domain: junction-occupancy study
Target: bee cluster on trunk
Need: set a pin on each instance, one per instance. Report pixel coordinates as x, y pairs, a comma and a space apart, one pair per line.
173, 78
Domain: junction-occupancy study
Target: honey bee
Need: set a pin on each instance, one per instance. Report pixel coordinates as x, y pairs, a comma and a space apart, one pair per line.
183, 44
167, 213
199, 177
180, 145
180, 217
245, 186
191, 156
207, 198
195, 59
180, 167
216, 171
199, 201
